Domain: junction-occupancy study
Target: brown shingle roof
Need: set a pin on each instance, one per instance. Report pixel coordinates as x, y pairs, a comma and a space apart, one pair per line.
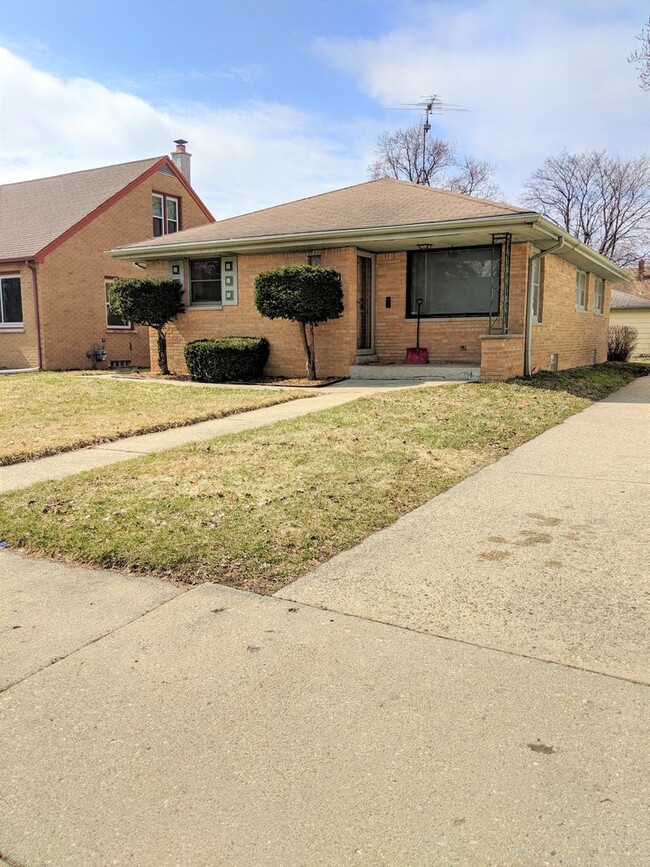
35, 213
373, 204
627, 301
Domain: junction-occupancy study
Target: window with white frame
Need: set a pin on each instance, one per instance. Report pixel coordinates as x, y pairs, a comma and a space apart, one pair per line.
599, 295
212, 282
113, 320
536, 289
165, 213
172, 214
205, 281
11, 302
581, 290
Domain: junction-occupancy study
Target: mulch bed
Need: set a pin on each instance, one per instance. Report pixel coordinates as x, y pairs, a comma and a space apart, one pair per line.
278, 381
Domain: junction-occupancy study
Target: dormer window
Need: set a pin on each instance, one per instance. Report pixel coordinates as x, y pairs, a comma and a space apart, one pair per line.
165, 212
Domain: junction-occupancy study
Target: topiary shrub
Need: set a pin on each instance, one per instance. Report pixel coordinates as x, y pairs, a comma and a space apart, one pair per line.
621, 342
306, 294
152, 301
226, 359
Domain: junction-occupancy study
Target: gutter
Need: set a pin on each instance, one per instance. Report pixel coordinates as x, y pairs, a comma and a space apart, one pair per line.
540, 227
314, 239
37, 316
528, 328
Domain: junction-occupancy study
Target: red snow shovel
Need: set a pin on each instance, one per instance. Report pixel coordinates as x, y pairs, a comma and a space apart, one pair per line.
416, 354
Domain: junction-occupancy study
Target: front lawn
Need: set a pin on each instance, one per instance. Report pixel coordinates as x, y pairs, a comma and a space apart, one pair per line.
45, 413
256, 510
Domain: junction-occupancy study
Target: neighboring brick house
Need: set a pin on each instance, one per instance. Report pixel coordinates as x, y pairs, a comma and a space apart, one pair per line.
502, 288
54, 237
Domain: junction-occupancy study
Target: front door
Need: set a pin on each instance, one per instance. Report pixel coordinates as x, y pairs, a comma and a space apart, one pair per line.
365, 306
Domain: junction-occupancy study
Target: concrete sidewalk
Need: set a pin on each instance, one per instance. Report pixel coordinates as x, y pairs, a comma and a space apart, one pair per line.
59, 466
226, 728
157, 725
544, 553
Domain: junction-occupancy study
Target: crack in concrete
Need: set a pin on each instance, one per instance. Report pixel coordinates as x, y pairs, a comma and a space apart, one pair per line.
58, 659
468, 643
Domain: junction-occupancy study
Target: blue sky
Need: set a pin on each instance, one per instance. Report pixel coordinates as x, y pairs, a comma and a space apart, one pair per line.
282, 99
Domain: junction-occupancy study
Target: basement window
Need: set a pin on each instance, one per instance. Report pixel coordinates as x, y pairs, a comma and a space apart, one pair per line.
11, 302
452, 283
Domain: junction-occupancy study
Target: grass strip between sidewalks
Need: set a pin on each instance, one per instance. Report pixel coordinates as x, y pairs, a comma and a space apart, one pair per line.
258, 509
46, 413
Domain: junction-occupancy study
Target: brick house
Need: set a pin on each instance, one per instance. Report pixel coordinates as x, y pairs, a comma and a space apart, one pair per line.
503, 290
54, 237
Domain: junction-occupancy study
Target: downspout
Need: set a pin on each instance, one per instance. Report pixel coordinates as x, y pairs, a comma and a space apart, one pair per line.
37, 316
528, 331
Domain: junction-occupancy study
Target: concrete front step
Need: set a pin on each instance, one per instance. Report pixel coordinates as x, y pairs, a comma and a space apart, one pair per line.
424, 372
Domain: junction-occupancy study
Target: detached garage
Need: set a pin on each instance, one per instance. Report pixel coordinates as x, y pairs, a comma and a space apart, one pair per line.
634, 311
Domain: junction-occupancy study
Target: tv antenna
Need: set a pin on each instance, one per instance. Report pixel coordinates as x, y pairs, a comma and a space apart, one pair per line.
429, 105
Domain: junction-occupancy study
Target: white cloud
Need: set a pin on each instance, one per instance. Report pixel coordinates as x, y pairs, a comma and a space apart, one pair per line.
535, 79
257, 155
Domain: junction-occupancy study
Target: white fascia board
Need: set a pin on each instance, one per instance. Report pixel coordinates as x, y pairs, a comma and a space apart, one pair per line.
339, 238
592, 260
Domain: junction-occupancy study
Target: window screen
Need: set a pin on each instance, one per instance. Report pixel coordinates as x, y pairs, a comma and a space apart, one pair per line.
453, 282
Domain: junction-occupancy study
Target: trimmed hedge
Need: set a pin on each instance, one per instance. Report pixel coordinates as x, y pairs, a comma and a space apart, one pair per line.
226, 359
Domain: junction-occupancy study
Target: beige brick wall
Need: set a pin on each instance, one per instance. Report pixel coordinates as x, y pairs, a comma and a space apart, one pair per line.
444, 338
502, 356
574, 335
335, 340
71, 280
18, 347
571, 334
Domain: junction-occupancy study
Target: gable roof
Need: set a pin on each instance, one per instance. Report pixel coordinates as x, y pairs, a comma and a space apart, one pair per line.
627, 301
35, 215
373, 204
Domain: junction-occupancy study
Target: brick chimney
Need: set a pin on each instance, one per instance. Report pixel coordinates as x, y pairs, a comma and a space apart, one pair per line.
182, 159
641, 275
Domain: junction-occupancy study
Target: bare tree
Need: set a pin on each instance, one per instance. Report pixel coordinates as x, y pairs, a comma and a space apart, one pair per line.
600, 199
474, 178
402, 155
641, 57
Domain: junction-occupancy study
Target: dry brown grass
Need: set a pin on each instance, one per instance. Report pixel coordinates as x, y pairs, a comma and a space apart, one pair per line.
45, 413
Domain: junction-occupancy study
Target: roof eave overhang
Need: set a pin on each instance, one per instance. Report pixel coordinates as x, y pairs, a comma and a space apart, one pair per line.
538, 228
308, 240
18, 260
580, 254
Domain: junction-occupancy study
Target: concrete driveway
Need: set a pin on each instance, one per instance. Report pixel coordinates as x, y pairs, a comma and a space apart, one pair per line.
144, 723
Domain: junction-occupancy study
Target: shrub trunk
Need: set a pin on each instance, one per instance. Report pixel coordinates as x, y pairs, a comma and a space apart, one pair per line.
308, 346
162, 352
